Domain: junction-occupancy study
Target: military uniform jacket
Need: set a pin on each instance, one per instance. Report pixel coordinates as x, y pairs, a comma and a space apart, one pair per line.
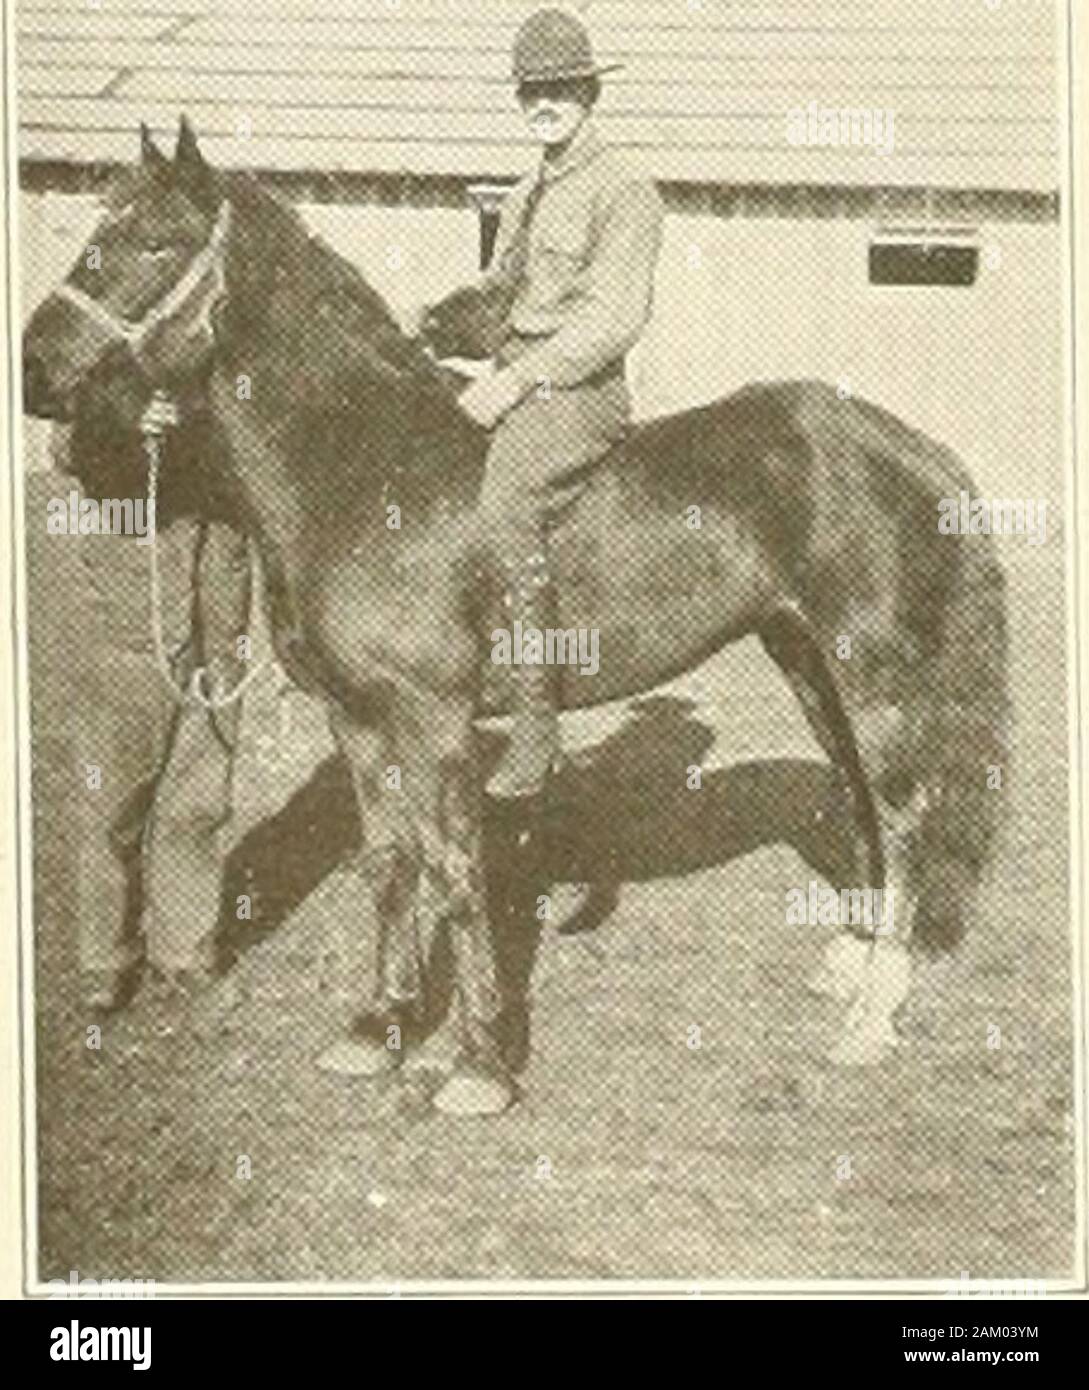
572, 279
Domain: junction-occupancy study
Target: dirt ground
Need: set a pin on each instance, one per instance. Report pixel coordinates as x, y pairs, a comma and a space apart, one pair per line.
631, 1154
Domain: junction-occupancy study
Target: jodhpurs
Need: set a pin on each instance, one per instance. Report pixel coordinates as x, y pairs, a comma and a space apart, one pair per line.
540, 453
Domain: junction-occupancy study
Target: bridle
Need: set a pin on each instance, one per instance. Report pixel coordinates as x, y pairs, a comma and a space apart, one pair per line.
205, 275
207, 263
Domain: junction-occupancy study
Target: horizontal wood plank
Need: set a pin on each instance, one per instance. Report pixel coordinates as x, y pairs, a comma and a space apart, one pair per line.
92, 25
665, 16
490, 69
948, 170
458, 94
355, 126
76, 81
689, 45
669, 14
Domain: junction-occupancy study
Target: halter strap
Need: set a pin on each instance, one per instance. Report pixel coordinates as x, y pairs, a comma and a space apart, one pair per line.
208, 258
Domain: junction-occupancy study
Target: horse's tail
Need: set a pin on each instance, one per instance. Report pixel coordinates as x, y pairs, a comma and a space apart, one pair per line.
964, 738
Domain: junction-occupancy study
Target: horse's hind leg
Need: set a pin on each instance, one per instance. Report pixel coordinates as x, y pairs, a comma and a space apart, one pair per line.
881, 698
839, 972
860, 728
789, 643
885, 974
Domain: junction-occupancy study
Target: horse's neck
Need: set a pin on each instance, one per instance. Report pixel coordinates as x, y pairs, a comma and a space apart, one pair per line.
410, 403
263, 483
315, 474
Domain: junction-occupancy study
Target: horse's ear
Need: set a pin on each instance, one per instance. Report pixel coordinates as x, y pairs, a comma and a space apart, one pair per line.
187, 151
151, 157
194, 175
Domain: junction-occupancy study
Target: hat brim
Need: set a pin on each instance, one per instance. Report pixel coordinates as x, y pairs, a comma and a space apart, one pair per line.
566, 75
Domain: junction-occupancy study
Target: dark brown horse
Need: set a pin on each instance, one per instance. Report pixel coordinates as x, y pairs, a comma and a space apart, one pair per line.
781, 510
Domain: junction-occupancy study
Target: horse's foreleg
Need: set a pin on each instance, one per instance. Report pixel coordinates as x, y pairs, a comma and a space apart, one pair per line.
423, 731
480, 1084
379, 959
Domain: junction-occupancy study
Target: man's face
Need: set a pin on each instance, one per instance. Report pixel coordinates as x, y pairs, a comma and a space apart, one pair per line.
553, 111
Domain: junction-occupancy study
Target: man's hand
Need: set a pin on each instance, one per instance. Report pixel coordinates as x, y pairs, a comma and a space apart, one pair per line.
486, 401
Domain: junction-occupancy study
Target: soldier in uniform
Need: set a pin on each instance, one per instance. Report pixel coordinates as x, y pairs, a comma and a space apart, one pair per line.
149, 828
568, 294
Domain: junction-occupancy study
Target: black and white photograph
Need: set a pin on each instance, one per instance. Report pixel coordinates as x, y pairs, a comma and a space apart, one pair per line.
545, 649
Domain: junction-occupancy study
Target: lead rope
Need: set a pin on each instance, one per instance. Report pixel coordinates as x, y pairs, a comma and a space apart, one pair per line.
160, 415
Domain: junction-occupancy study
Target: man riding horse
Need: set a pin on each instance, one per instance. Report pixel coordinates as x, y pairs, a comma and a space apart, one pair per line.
817, 520
567, 296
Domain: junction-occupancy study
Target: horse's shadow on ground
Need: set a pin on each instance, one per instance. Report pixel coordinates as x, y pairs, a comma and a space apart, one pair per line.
621, 811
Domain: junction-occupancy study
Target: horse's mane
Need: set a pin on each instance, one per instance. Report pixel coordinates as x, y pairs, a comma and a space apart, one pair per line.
284, 226
331, 279
337, 335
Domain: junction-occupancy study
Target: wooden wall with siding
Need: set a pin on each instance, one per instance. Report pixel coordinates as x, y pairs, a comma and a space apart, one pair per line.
421, 87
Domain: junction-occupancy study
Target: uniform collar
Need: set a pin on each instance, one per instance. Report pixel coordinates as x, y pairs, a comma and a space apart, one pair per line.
585, 146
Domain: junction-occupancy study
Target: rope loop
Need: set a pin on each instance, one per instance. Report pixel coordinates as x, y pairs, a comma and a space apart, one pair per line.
161, 415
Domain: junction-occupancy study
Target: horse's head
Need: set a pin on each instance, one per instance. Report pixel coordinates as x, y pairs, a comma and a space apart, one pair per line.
134, 312
193, 271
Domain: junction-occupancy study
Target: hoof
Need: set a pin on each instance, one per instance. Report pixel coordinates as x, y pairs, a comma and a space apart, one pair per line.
437, 1054
101, 990
356, 1057
473, 1094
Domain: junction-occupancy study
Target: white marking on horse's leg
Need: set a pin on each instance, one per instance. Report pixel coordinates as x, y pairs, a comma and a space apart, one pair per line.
357, 1057
431, 908
358, 935
868, 1033
839, 975
469, 1095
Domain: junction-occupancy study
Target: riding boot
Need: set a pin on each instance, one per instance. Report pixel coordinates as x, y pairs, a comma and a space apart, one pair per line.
534, 742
